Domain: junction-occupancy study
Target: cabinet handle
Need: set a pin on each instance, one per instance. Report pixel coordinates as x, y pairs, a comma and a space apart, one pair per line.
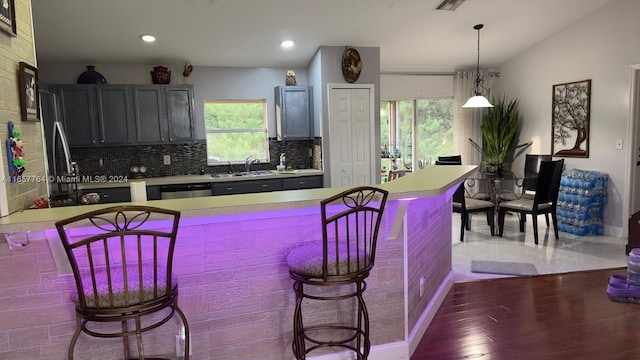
265, 185
229, 189
301, 182
102, 141
162, 139
170, 139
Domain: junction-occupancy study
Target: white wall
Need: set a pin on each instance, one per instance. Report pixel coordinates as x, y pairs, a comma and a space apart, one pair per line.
314, 70
407, 87
330, 63
600, 47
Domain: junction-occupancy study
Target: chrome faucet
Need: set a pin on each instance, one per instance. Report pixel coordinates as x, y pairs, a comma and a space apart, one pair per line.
250, 160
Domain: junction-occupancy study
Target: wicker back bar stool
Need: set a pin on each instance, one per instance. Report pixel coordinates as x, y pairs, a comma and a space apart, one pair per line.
336, 269
122, 259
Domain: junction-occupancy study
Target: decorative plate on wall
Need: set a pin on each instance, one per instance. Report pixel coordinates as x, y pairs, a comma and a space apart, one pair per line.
351, 65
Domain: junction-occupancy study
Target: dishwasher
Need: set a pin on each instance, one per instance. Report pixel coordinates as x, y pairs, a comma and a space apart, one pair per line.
179, 191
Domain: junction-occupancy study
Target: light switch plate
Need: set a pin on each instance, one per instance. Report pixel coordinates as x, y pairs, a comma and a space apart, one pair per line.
167, 159
619, 144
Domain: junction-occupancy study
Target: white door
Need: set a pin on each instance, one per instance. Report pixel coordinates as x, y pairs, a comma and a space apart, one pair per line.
350, 137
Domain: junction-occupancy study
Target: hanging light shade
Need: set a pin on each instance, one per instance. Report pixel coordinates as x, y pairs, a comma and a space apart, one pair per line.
478, 100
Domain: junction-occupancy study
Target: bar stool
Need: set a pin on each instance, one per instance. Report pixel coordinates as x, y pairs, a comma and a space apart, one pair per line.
122, 265
337, 269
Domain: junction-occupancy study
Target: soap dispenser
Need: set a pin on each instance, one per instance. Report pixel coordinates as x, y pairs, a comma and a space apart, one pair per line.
282, 166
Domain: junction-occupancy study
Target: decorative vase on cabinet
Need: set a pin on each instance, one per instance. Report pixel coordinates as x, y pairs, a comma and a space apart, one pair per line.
91, 76
161, 75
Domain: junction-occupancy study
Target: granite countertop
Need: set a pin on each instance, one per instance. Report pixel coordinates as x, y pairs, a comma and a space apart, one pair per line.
97, 182
428, 182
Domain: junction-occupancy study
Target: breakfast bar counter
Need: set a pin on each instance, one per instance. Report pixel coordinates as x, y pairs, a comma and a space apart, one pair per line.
432, 181
235, 288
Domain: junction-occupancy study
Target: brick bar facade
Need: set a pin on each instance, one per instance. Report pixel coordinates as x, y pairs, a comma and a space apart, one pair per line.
234, 286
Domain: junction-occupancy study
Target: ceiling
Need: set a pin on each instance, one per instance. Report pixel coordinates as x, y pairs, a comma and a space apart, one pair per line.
411, 35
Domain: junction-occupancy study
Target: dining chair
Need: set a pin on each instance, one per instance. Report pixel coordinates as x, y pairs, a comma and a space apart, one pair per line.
454, 159
531, 170
544, 201
342, 261
465, 206
528, 186
122, 258
457, 160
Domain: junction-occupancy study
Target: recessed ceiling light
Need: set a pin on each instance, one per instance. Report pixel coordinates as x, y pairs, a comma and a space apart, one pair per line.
287, 43
148, 38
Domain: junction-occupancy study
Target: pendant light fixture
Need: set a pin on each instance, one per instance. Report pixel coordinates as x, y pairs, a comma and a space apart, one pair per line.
478, 100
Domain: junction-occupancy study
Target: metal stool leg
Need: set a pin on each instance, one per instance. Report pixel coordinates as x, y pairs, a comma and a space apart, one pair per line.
72, 345
363, 319
125, 340
298, 343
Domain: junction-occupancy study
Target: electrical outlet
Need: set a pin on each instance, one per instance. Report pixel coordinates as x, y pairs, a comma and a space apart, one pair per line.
423, 281
101, 162
180, 346
167, 159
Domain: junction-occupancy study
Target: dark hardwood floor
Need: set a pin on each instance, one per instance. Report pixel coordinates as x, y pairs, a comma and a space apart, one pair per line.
558, 316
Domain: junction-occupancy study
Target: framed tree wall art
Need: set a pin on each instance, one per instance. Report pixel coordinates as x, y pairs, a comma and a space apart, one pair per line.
28, 90
571, 105
8, 17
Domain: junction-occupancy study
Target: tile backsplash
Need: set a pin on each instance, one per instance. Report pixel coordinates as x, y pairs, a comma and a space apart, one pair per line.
186, 158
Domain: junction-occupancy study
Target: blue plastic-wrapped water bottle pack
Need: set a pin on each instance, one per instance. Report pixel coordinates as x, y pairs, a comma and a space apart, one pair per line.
581, 200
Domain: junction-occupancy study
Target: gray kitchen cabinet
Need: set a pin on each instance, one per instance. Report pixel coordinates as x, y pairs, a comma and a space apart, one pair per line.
153, 192
294, 112
266, 185
246, 187
110, 195
96, 115
180, 113
148, 110
305, 182
113, 194
163, 113
78, 114
115, 126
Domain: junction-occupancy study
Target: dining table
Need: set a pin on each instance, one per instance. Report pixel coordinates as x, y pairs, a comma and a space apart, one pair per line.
496, 187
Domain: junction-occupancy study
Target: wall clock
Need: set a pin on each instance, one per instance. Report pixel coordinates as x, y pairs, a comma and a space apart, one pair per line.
351, 65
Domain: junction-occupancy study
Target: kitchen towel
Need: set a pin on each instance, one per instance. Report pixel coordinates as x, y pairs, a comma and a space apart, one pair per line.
138, 191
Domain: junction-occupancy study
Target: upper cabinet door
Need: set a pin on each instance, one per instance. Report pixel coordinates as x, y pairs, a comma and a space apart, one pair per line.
151, 123
78, 114
114, 115
180, 113
294, 112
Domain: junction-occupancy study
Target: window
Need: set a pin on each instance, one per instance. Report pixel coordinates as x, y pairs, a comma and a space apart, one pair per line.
235, 130
425, 125
434, 130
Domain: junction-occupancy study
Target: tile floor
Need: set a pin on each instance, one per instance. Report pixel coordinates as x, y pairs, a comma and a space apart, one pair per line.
569, 253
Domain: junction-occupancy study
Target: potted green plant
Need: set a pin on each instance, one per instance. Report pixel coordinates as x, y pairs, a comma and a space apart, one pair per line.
499, 127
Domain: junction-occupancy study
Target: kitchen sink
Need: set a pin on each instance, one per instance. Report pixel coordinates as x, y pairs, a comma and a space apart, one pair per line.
244, 174
259, 172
